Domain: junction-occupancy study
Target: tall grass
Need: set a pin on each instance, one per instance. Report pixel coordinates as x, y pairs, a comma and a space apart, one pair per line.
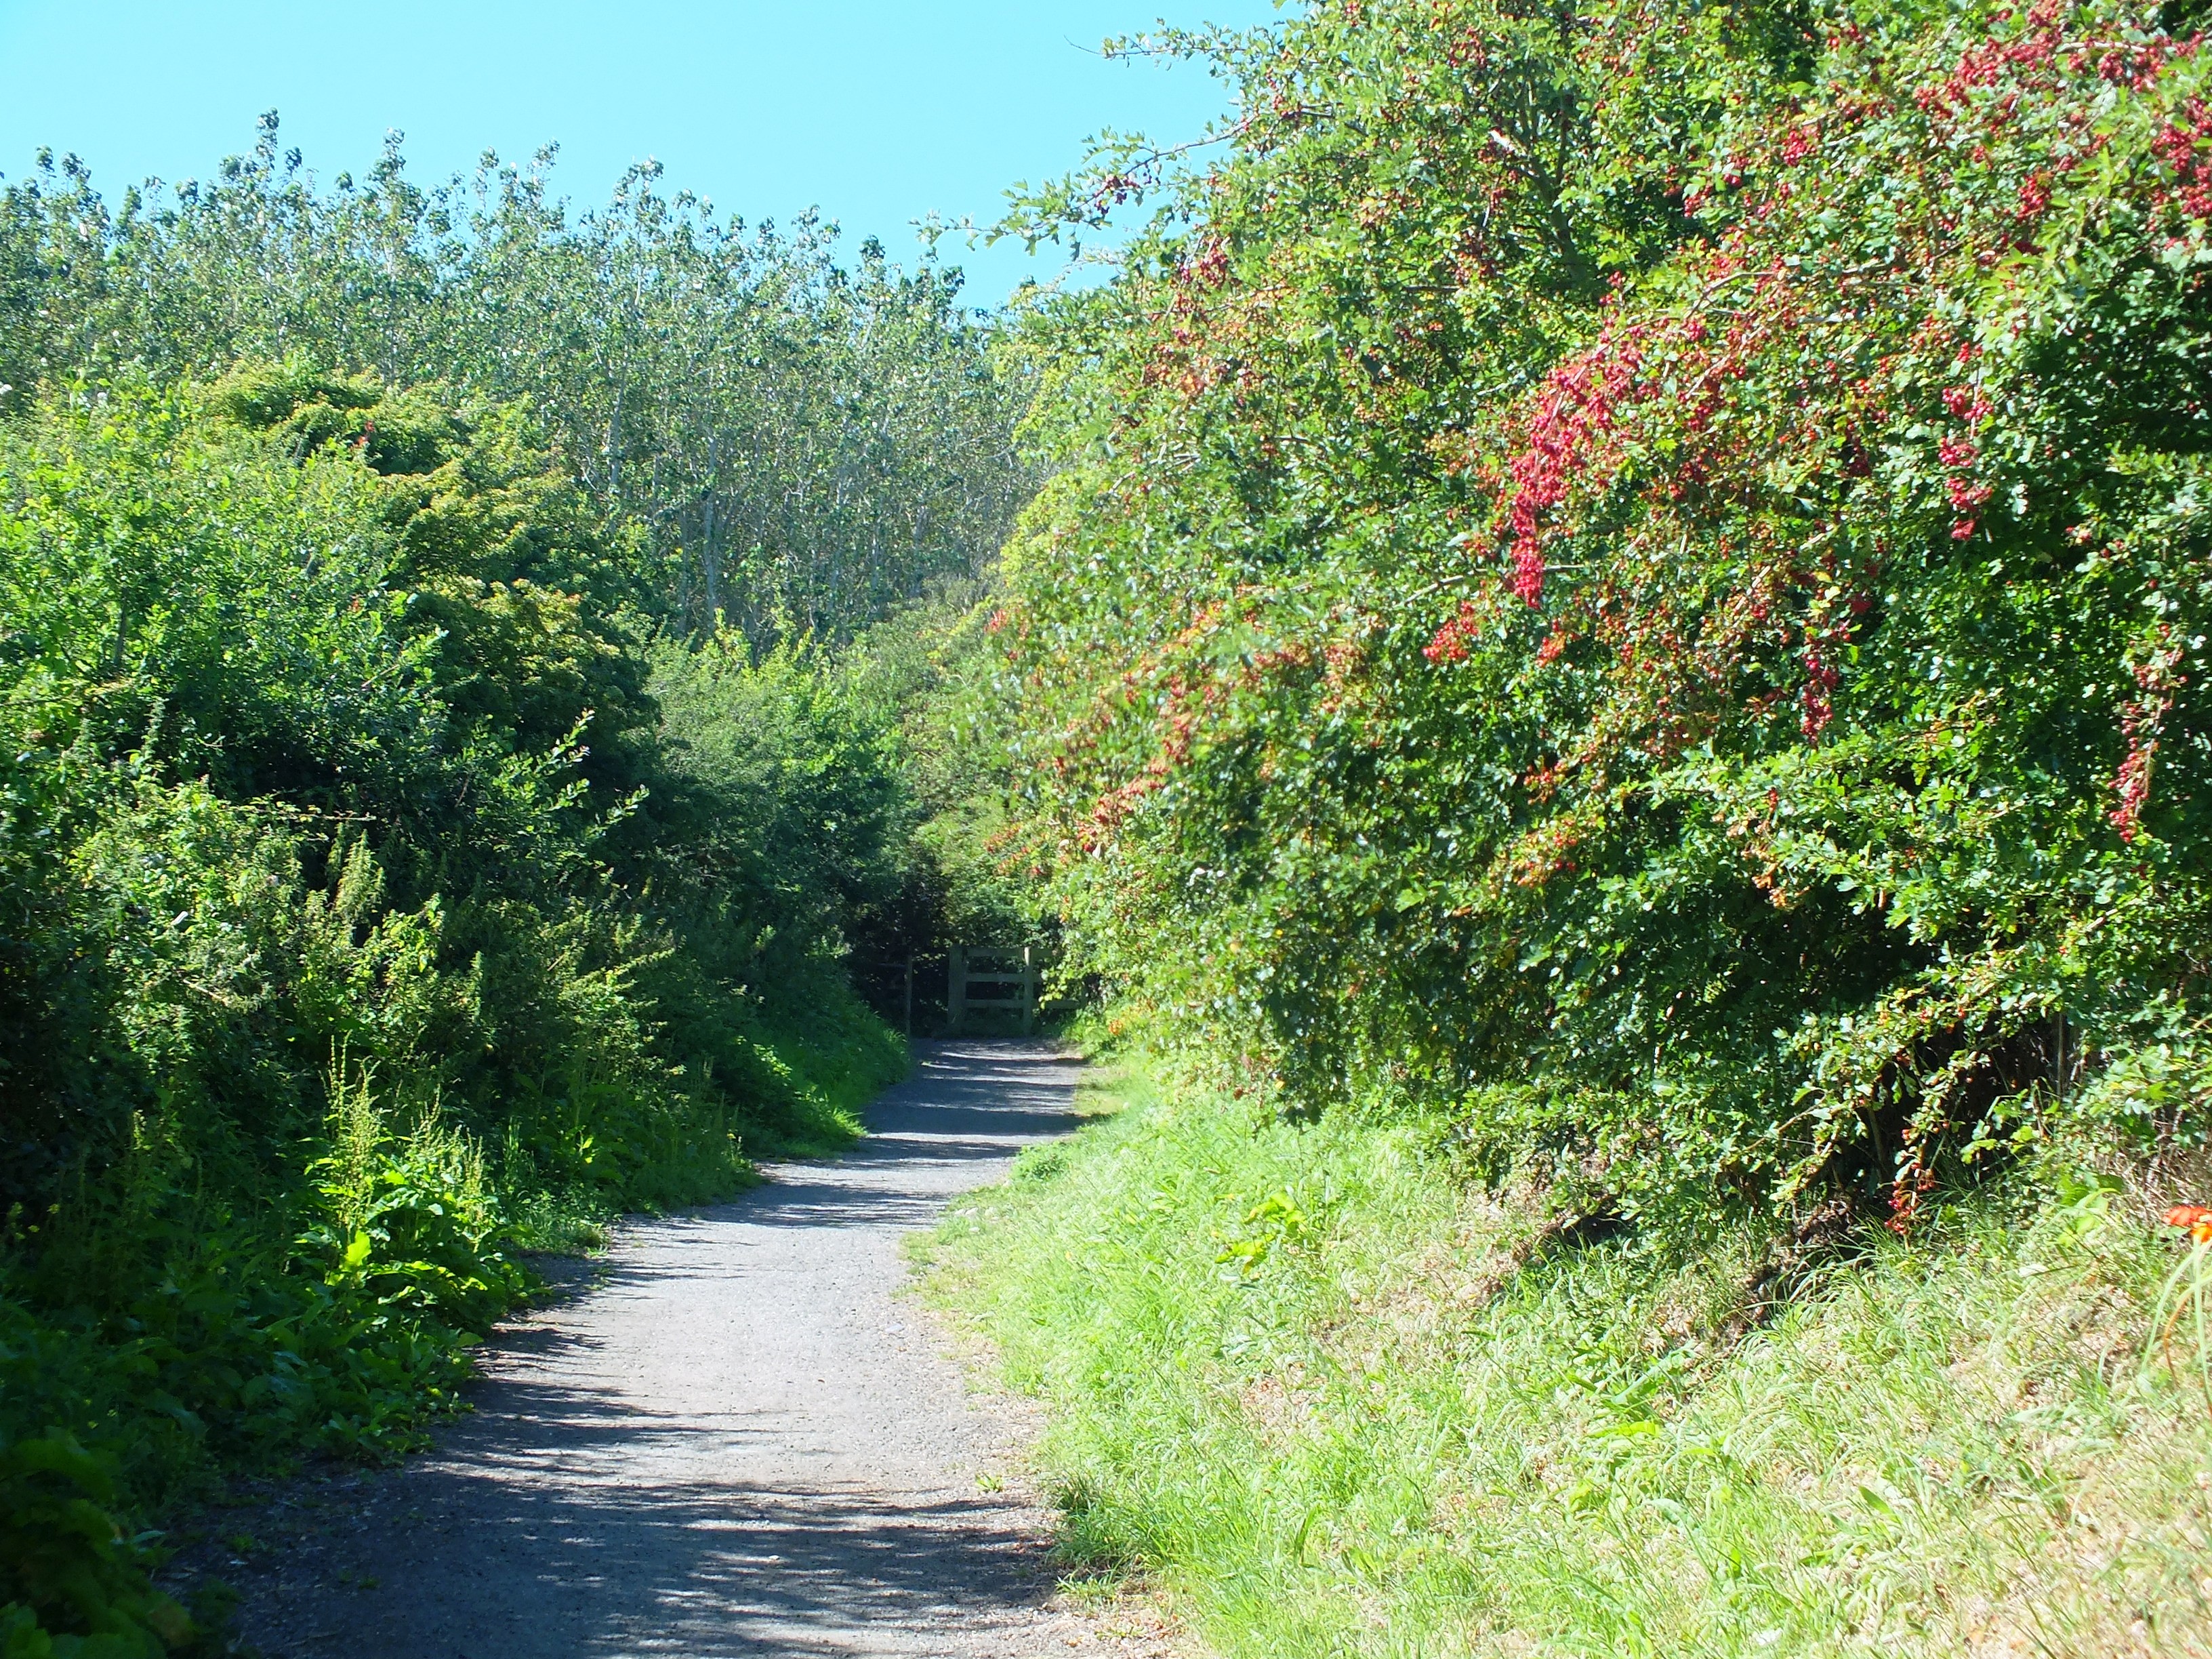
1325, 1391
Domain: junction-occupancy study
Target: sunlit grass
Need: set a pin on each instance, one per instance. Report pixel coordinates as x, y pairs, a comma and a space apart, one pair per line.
1296, 1378
570, 1223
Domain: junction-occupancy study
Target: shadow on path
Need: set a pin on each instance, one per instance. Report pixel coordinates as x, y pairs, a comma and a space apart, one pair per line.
738, 1442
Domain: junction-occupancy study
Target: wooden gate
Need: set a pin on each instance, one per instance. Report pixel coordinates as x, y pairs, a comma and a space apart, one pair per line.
1011, 969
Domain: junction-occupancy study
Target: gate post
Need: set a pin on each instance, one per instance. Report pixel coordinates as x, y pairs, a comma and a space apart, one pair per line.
956, 992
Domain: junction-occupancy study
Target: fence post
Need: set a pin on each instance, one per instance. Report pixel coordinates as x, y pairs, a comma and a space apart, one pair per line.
909, 995
1029, 993
956, 992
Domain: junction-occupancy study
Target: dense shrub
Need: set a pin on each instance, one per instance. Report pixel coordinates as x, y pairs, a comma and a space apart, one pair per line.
359, 919
1638, 573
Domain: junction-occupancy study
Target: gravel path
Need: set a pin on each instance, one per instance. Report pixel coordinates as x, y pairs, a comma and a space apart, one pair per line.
741, 1441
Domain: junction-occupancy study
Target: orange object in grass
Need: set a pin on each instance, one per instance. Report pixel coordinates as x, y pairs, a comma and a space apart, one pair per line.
2197, 1218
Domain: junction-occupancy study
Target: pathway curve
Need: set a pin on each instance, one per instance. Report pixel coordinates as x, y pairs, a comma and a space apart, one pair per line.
740, 1442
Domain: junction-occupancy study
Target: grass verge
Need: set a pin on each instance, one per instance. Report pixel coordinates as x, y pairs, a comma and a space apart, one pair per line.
1327, 1393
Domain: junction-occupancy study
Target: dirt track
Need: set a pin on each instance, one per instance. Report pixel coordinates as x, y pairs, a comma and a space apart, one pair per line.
740, 1441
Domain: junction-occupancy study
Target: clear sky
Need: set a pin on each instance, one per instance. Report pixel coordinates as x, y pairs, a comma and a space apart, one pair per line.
880, 112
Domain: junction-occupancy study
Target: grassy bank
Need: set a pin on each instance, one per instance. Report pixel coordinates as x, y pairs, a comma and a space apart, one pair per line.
1339, 1399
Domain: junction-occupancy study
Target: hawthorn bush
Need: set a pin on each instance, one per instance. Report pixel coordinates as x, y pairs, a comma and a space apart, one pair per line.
1639, 572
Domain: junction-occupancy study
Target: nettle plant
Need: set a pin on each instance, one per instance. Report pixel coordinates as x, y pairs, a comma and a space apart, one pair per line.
1666, 553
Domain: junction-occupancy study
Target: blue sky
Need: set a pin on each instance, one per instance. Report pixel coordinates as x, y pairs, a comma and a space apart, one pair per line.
878, 112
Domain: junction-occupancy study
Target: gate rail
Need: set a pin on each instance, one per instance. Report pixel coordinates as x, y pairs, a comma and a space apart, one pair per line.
972, 966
